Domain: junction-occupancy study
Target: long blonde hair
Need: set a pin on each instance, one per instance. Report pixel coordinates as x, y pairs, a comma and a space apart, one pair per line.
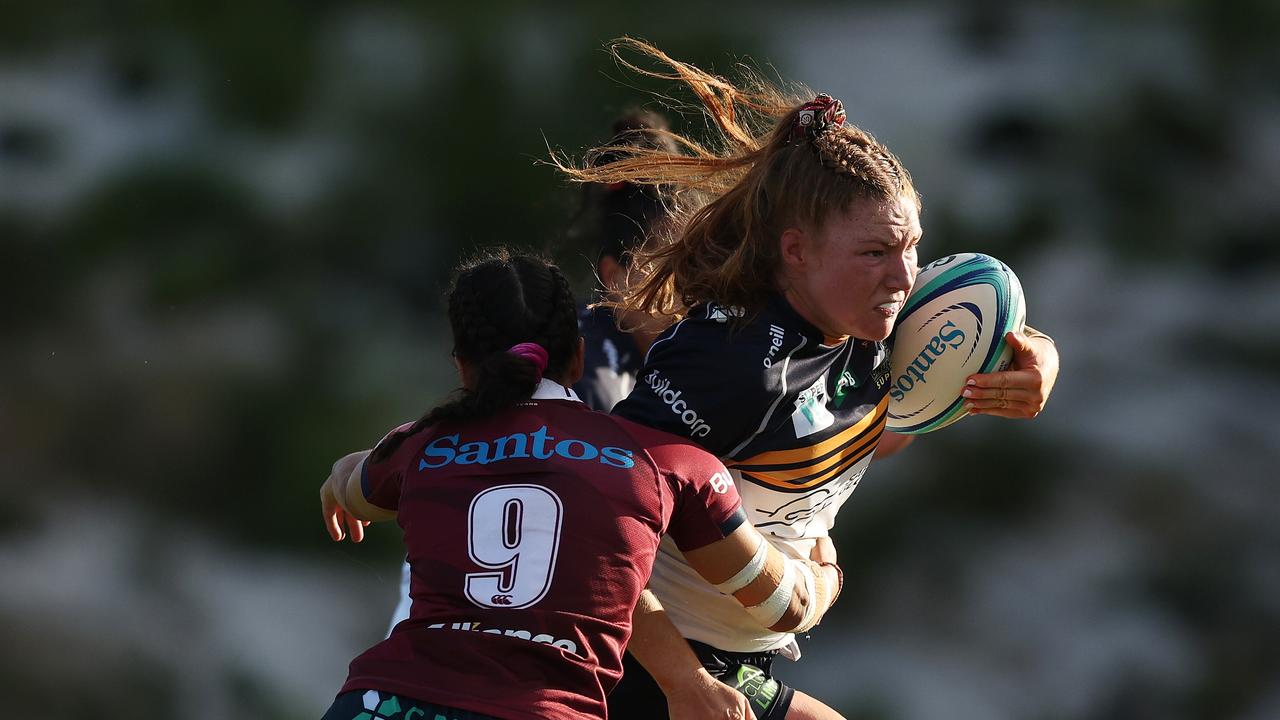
733, 197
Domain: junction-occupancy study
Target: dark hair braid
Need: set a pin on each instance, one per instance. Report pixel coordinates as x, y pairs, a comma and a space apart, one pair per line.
497, 301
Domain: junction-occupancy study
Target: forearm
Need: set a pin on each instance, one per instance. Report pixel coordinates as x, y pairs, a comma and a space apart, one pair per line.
349, 494
658, 645
781, 593
817, 585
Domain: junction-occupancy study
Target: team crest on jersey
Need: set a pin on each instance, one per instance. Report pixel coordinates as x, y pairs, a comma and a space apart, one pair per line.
811, 414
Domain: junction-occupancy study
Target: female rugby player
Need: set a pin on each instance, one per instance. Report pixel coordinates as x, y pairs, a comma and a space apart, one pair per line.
612, 220
786, 282
531, 523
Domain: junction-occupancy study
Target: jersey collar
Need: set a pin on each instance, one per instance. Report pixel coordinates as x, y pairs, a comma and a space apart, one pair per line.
551, 390
797, 321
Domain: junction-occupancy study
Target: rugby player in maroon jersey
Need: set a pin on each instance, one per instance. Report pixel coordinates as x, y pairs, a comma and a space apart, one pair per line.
531, 523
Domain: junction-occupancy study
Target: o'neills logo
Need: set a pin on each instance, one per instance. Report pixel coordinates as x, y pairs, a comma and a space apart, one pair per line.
776, 336
662, 388
948, 336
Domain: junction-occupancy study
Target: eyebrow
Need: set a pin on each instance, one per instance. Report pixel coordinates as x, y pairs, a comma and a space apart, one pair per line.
893, 243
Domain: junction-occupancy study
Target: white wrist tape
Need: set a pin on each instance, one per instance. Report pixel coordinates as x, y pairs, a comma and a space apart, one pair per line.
769, 612
748, 573
811, 586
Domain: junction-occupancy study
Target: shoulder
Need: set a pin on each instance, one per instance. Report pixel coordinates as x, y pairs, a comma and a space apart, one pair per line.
712, 380
719, 339
401, 436
674, 456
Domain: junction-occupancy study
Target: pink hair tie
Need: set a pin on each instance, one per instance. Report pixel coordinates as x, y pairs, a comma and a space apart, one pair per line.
533, 352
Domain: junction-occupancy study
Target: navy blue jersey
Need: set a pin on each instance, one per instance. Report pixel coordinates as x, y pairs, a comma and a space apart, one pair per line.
611, 359
796, 416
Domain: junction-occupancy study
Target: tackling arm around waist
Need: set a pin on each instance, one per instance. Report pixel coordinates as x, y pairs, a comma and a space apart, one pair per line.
783, 594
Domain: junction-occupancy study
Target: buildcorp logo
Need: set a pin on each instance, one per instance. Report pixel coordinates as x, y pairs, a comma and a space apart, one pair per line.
662, 388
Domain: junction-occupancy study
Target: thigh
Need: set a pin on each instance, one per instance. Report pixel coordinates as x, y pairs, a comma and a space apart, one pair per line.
807, 707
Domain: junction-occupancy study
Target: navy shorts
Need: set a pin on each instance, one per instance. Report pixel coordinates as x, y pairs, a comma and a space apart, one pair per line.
638, 697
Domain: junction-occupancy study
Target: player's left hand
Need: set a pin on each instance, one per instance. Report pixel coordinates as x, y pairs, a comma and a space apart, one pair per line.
335, 516
1023, 389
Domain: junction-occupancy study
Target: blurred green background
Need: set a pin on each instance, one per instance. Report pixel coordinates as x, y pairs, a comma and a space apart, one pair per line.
224, 229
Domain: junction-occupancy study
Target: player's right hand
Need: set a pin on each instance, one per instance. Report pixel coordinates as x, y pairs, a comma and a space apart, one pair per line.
705, 697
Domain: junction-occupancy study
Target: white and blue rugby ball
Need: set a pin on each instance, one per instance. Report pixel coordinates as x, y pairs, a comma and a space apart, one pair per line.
952, 326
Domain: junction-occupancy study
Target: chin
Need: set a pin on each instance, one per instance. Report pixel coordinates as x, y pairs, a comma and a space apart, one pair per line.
876, 332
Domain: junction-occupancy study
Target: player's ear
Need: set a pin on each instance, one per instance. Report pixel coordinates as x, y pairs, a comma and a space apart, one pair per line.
793, 247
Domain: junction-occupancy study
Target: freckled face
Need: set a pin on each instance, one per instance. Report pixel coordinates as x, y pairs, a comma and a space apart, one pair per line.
851, 276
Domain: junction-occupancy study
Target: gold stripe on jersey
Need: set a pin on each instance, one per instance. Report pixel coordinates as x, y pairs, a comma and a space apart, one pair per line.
803, 478
809, 454
859, 452
803, 468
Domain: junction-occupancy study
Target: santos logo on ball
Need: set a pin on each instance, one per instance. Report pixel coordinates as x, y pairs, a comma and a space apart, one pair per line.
949, 335
662, 388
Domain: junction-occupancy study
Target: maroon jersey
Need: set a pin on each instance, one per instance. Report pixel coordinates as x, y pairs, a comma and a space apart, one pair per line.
530, 536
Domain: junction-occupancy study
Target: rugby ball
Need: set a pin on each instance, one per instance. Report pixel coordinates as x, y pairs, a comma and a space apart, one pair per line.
952, 326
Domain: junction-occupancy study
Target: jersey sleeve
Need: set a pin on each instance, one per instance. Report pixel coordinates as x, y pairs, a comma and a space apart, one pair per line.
380, 481
706, 506
706, 382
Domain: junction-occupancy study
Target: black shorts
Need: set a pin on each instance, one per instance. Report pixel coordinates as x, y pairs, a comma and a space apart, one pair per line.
378, 705
638, 697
